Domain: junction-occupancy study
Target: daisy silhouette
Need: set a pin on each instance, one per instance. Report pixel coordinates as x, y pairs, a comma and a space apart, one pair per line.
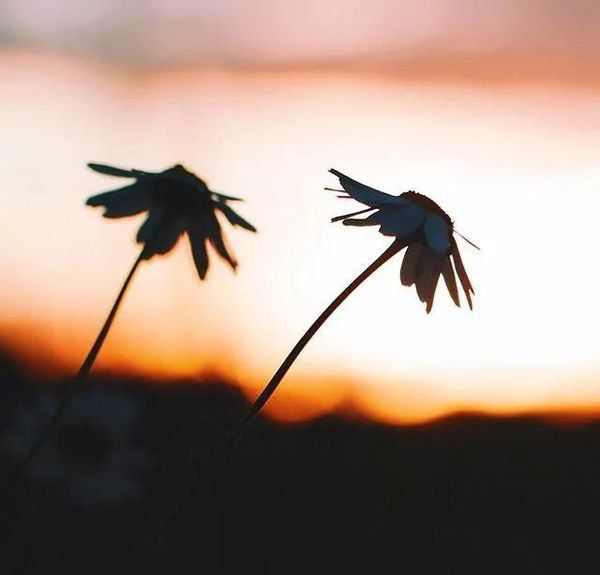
421, 226
415, 222
177, 202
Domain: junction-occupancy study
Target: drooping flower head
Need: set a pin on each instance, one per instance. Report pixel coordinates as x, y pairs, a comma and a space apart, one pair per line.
177, 202
422, 227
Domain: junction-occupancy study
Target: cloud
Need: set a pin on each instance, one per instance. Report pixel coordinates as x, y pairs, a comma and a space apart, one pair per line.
541, 37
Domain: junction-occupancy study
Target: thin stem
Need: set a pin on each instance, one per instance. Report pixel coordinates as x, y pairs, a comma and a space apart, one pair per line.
237, 433
269, 389
86, 366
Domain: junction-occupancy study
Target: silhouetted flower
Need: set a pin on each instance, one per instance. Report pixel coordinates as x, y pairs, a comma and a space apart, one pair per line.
91, 458
177, 201
423, 227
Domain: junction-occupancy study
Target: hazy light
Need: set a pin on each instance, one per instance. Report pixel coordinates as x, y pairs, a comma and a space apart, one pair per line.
517, 170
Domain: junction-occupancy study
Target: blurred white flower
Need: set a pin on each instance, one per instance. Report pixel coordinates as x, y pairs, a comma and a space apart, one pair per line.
177, 202
421, 226
92, 457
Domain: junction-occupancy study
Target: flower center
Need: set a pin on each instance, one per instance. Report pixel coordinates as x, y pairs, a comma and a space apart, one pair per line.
179, 196
428, 204
83, 445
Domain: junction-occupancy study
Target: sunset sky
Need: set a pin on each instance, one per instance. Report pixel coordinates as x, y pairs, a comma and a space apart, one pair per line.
493, 112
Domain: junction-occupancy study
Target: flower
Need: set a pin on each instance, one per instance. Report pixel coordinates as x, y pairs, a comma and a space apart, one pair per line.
177, 201
423, 227
91, 457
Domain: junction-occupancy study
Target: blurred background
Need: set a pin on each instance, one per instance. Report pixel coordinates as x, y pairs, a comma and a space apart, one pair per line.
491, 109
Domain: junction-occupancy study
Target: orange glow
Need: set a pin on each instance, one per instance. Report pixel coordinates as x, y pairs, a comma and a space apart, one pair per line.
516, 168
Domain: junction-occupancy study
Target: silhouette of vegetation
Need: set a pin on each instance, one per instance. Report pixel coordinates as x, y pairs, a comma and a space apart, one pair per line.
464, 495
177, 202
421, 226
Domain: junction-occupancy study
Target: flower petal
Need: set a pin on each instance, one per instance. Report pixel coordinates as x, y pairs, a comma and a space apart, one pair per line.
112, 171
408, 271
450, 279
234, 218
123, 202
224, 198
422, 280
434, 278
400, 220
150, 225
150, 228
462, 272
369, 221
428, 274
217, 241
365, 194
166, 237
437, 233
197, 236
347, 216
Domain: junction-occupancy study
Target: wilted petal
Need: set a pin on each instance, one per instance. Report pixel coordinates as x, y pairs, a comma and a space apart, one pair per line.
408, 271
462, 273
369, 221
450, 280
234, 218
127, 201
197, 235
437, 233
347, 216
217, 241
434, 277
365, 194
112, 171
149, 229
224, 198
166, 237
423, 274
400, 220
428, 273
421, 285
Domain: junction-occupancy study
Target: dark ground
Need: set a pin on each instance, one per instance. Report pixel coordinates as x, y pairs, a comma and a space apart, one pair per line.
465, 495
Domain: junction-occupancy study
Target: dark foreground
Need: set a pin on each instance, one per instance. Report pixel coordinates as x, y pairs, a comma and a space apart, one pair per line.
467, 495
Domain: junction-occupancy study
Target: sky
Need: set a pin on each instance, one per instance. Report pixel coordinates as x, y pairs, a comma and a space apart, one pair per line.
492, 110
538, 39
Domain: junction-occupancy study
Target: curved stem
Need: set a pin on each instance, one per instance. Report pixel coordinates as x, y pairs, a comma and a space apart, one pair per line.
266, 393
86, 366
270, 388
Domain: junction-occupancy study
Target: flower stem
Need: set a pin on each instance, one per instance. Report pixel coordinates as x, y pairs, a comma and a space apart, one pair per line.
86, 366
231, 441
270, 388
